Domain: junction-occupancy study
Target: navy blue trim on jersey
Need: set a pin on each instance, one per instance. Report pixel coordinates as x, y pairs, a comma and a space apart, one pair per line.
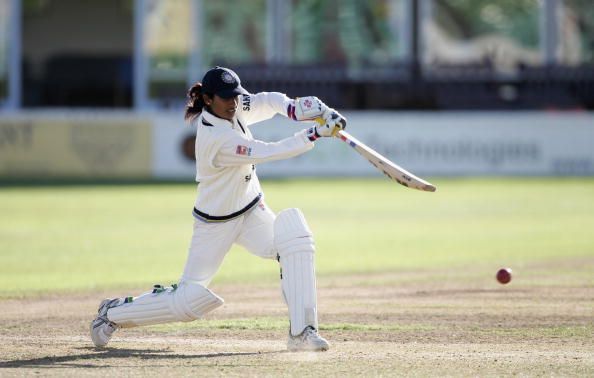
206, 123
291, 112
223, 218
240, 125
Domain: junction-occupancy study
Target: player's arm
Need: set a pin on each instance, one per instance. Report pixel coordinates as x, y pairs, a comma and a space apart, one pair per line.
239, 150
264, 105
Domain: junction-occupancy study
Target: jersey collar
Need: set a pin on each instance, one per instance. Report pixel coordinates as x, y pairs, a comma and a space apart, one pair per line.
213, 119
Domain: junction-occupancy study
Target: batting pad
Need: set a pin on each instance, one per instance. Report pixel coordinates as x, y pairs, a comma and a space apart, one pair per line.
295, 247
187, 302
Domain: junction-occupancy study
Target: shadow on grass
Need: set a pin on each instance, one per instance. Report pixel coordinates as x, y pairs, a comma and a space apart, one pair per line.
76, 360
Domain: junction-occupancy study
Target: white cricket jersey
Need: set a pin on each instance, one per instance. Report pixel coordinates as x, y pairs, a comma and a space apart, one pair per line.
226, 154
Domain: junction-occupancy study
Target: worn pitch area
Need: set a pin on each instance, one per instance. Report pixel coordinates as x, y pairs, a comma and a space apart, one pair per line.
389, 324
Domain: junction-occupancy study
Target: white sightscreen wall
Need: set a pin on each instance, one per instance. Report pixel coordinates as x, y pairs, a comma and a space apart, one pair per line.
436, 143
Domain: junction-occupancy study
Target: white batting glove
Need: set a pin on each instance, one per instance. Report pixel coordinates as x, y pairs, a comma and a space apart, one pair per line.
308, 109
332, 124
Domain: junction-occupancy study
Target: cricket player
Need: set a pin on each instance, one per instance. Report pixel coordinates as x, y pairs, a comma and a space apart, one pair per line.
230, 209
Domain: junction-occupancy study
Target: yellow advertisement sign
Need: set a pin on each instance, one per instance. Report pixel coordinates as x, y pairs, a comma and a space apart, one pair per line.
87, 147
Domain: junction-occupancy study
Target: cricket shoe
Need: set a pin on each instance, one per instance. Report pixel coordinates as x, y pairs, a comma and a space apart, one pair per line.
308, 340
102, 328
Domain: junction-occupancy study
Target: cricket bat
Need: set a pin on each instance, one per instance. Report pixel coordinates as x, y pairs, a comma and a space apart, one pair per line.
384, 165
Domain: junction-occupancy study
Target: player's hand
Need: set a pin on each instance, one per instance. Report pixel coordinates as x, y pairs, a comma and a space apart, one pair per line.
328, 127
332, 124
310, 108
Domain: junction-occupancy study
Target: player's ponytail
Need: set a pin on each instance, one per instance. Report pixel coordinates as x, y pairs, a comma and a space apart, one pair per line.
195, 101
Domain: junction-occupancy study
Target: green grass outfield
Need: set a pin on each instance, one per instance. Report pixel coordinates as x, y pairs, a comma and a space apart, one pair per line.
76, 238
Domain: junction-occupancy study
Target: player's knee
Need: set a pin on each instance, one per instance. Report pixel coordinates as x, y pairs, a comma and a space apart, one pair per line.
292, 234
269, 253
192, 301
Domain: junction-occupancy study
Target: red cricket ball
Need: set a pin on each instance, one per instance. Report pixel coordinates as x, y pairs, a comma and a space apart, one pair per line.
504, 275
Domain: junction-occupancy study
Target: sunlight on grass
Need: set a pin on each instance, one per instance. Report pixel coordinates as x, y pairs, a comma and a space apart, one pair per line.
64, 238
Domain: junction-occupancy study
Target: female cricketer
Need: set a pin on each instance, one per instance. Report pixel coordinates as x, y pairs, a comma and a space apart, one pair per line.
230, 209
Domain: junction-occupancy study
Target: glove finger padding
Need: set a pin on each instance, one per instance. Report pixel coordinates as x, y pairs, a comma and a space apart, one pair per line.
339, 120
331, 125
326, 130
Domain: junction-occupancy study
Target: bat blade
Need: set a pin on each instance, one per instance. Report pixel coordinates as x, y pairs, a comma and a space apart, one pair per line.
384, 165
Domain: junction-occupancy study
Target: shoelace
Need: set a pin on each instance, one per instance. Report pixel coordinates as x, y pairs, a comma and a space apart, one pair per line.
309, 331
109, 323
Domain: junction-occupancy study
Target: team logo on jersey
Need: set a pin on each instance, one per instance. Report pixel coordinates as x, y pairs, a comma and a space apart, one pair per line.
243, 150
227, 78
308, 104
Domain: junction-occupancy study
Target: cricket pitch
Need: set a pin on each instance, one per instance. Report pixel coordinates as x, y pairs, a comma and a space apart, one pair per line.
389, 324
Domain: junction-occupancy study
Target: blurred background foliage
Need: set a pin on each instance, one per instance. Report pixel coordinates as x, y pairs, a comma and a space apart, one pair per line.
350, 51
465, 19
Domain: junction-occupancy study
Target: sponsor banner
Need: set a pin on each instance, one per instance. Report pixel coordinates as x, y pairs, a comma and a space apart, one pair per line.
161, 145
492, 143
75, 146
433, 143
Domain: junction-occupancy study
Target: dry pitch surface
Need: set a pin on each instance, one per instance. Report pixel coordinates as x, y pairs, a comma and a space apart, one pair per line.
403, 326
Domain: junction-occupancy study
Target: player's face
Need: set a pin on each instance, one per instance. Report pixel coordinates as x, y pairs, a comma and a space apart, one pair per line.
224, 107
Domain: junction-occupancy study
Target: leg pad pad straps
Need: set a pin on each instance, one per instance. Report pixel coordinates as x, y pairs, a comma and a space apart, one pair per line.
189, 301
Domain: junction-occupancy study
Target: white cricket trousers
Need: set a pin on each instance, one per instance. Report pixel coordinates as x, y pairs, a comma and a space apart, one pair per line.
211, 242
